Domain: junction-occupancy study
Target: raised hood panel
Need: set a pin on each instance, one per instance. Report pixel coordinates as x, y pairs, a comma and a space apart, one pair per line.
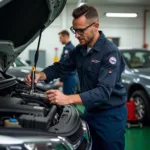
21, 22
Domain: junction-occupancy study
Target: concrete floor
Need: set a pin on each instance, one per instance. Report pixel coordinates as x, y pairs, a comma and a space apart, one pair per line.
135, 138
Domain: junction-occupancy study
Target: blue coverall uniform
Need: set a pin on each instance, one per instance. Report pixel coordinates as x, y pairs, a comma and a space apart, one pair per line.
102, 92
69, 80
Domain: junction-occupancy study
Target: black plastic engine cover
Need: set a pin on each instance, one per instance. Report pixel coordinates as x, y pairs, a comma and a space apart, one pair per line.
19, 106
38, 122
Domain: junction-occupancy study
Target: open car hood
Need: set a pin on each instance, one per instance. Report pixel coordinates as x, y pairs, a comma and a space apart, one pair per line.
21, 22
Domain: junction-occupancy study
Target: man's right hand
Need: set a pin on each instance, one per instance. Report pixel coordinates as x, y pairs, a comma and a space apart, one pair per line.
39, 76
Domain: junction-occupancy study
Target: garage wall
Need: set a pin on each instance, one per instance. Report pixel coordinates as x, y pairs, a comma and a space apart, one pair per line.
129, 30
148, 28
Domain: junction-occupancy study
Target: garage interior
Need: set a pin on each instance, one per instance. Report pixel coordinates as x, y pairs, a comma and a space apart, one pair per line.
129, 33
124, 32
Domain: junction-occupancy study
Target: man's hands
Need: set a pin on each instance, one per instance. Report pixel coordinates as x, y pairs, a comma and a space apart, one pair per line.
39, 76
55, 96
58, 98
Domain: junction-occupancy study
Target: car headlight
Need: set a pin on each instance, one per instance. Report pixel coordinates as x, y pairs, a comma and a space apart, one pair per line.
87, 135
34, 143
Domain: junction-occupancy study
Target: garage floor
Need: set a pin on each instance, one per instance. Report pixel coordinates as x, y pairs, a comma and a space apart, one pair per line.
136, 138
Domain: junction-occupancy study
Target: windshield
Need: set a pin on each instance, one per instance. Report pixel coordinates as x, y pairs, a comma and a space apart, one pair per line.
136, 58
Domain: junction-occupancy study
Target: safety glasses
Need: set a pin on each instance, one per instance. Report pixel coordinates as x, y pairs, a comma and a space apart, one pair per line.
81, 30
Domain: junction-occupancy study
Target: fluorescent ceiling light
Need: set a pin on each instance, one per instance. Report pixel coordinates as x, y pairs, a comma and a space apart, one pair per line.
130, 15
81, 2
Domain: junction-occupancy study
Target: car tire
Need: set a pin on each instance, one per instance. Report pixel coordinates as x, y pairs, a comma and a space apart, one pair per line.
142, 105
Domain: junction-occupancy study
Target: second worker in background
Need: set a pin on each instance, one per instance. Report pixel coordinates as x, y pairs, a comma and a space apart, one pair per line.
69, 81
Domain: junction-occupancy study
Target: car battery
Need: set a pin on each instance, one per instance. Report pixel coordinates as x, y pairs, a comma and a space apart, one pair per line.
132, 119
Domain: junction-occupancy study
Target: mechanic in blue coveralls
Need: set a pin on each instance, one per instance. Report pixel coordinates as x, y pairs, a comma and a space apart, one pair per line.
69, 81
99, 65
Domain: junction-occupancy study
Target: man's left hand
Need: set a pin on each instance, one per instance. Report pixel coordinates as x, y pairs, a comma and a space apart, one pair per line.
58, 98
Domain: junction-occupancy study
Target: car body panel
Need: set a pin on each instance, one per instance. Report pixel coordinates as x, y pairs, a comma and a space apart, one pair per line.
136, 80
136, 76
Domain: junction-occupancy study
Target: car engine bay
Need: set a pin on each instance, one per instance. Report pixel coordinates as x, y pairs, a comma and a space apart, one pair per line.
21, 109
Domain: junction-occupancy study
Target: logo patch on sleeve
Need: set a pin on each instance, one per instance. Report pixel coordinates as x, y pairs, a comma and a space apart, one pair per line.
66, 51
112, 60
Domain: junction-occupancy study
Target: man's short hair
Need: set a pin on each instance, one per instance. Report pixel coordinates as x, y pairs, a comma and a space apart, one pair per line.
88, 11
64, 32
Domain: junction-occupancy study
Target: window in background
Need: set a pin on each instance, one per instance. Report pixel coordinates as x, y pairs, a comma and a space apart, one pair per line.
115, 40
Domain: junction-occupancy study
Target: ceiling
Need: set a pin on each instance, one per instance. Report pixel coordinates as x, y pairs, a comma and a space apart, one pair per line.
114, 2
